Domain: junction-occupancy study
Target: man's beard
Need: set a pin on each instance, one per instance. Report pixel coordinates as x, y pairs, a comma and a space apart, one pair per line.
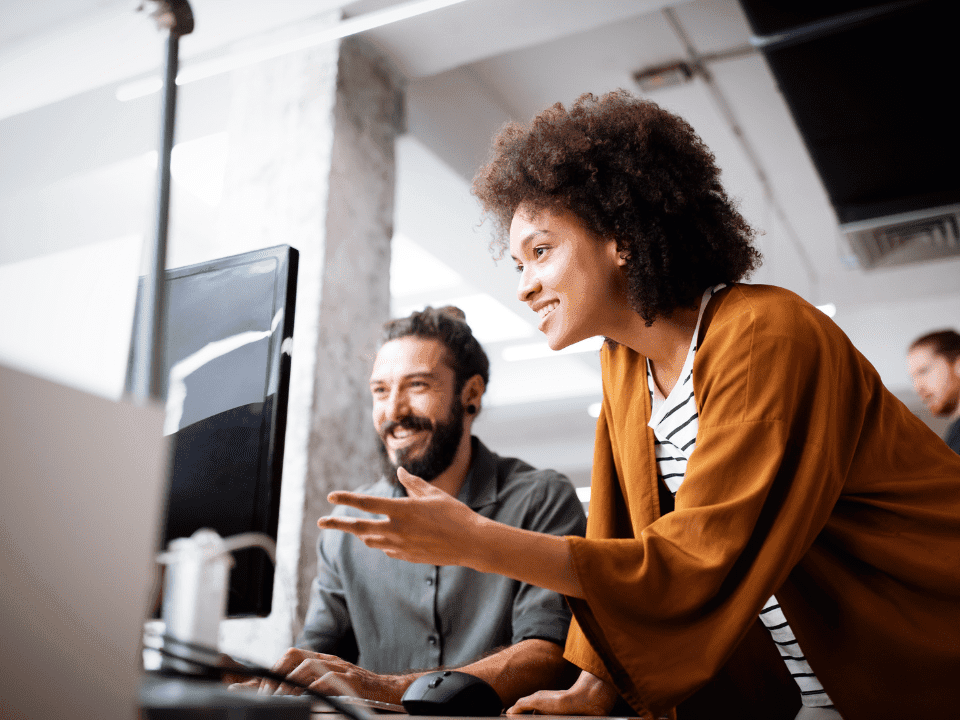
946, 408
439, 453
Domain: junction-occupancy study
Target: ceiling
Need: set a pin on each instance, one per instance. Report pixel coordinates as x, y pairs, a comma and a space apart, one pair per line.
470, 66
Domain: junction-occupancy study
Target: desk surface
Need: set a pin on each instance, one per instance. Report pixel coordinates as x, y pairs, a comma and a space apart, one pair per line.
400, 716
176, 698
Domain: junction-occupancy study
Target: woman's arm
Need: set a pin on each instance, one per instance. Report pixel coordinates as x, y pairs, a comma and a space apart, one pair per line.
589, 695
431, 527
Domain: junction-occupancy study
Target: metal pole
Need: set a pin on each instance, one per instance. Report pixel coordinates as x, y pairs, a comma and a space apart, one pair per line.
174, 18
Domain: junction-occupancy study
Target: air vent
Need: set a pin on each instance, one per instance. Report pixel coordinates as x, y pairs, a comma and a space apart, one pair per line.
907, 238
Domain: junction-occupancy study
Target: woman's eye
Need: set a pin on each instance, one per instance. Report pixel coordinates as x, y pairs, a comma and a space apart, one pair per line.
519, 269
539, 251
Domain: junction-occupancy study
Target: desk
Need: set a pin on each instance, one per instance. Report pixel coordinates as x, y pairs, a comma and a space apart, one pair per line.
165, 698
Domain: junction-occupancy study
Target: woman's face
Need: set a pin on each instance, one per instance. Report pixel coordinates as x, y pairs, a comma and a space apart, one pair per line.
568, 276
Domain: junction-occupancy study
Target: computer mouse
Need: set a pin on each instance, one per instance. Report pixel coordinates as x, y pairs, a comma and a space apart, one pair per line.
453, 693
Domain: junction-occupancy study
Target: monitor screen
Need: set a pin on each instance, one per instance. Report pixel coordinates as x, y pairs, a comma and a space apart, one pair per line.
227, 366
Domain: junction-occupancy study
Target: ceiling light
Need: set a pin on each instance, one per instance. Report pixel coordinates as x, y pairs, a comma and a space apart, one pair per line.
829, 309
138, 88
197, 166
663, 76
414, 271
583, 494
594, 409
531, 351
489, 319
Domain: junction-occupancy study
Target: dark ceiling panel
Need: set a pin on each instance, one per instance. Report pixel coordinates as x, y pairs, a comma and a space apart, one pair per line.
771, 18
872, 98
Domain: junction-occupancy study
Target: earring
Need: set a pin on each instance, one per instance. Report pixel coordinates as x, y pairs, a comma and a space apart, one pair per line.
472, 409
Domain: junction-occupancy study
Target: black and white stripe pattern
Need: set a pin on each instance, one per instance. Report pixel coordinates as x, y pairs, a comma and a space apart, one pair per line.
810, 688
674, 421
675, 429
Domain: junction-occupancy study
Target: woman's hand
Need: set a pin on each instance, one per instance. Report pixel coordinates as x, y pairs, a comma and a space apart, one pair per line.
589, 695
432, 528
428, 526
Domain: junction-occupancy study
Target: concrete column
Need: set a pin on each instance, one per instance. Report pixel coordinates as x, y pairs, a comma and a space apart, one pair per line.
311, 164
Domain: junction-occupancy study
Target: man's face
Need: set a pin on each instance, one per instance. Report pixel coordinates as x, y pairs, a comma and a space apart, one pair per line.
935, 379
416, 412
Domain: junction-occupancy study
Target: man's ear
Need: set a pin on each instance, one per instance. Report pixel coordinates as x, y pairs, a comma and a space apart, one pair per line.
472, 393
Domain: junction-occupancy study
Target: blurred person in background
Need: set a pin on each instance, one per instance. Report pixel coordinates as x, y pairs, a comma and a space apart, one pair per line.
934, 362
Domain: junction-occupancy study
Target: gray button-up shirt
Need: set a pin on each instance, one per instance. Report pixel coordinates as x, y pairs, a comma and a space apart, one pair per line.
391, 616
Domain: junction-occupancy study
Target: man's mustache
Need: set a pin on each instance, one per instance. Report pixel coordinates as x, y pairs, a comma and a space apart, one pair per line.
410, 422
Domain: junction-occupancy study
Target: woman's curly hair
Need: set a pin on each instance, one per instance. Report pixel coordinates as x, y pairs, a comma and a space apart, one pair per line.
632, 171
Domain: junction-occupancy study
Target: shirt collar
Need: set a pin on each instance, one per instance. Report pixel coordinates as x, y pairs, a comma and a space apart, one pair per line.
663, 405
480, 485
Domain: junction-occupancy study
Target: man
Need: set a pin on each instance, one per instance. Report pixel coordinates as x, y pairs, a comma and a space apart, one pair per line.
390, 617
934, 362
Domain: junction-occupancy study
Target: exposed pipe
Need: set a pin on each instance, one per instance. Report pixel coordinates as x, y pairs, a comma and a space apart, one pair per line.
697, 63
829, 26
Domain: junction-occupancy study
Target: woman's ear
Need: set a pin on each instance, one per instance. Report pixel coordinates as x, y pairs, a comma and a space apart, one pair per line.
620, 256
617, 254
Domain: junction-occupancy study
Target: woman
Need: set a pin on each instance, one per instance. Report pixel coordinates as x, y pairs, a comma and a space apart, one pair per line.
769, 529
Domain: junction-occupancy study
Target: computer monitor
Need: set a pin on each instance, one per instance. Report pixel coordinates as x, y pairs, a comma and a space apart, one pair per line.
226, 362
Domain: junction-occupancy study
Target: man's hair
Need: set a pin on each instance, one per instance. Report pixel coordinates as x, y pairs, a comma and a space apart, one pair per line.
945, 343
448, 324
631, 171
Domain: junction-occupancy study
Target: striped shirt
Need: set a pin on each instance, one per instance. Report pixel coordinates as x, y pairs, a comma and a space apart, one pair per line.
674, 421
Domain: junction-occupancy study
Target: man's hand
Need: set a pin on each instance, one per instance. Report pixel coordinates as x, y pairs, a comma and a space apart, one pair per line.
330, 675
589, 695
428, 526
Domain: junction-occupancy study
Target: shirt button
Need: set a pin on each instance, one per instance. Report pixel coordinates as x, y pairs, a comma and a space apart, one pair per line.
432, 640
429, 581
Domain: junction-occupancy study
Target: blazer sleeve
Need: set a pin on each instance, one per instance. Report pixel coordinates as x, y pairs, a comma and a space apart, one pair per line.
600, 524
666, 607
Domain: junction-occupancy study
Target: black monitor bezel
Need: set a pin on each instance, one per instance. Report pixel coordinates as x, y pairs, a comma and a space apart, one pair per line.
255, 601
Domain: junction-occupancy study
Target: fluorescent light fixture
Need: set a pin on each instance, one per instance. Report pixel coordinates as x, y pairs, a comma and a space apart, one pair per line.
490, 320
829, 309
531, 351
583, 493
198, 166
138, 88
414, 271
593, 410
234, 61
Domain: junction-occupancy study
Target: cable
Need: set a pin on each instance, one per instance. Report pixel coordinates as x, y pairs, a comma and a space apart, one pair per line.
224, 664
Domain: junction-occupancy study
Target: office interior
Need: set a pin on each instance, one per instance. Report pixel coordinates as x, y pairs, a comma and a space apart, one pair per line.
78, 131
